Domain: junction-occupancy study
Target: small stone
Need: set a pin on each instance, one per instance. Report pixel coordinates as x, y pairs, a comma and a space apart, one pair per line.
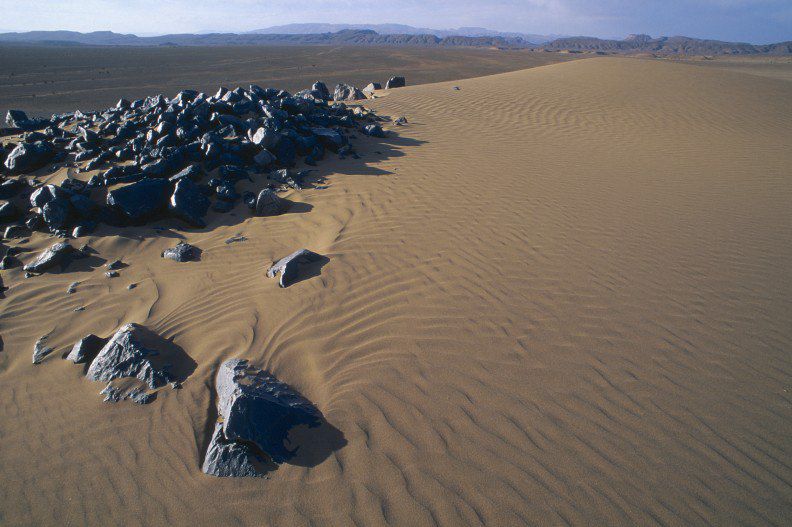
112, 274
41, 350
289, 266
183, 252
115, 264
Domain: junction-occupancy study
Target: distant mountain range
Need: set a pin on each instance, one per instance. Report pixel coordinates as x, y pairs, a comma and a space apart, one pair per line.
370, 37
363, 37
401, 29
666, 45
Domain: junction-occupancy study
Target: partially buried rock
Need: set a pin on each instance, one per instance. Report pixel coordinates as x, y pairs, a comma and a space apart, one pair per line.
395, 82
130, 353
255, 414
269, 204
183, 252
289, 267
41, 350
58, 254
86, 349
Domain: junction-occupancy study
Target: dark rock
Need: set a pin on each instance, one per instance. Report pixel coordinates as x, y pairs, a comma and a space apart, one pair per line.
8, 212
27, 157
115, 265
72, 288
17, 119
400, 121
59, 254
41, 350
183, 252
222, 206
289, 267
374, 130
263, 158
256, 411
188, 203
345, 92
269, 204
10, 188
395, 82
15, 231
130, 353
112, 274
86, 349
321, 88
372, 87
141, 201
192, 172
9, 262
235, 239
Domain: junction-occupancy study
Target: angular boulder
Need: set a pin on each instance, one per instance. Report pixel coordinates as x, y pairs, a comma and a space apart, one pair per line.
289, 266
86, 349
58, 254
188, 203
269, 204
130, 353
256, 411
395, 82
345, 92
182, 252
27, 157
321, 89
141, 201
372, 87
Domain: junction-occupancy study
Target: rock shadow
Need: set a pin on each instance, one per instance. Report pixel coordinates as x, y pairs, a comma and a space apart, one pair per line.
311, 446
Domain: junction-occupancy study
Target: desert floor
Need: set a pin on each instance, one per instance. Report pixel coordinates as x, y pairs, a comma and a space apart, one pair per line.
49, 79
558, 296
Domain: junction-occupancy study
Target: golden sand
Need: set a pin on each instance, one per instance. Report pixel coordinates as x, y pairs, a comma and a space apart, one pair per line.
557, 296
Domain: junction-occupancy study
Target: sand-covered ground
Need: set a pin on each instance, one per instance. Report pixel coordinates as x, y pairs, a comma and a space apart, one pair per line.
52, 79
559, 296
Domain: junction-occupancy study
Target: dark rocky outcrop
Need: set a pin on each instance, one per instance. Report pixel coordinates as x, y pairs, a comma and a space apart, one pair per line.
255, 414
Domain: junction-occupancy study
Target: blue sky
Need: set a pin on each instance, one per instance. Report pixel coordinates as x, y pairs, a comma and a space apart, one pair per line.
758, 21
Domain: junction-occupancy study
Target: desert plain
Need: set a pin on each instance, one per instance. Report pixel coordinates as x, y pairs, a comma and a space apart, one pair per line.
559, 295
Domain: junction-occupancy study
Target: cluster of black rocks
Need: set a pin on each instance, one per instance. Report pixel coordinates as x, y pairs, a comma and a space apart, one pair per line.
161, 150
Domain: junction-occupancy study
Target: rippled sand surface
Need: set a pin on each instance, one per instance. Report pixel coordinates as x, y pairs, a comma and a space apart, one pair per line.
557, 296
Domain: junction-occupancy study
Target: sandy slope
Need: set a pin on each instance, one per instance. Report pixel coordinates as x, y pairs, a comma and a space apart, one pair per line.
559, 296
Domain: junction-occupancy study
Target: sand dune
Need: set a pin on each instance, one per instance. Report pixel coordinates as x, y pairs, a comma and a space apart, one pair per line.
558, 296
